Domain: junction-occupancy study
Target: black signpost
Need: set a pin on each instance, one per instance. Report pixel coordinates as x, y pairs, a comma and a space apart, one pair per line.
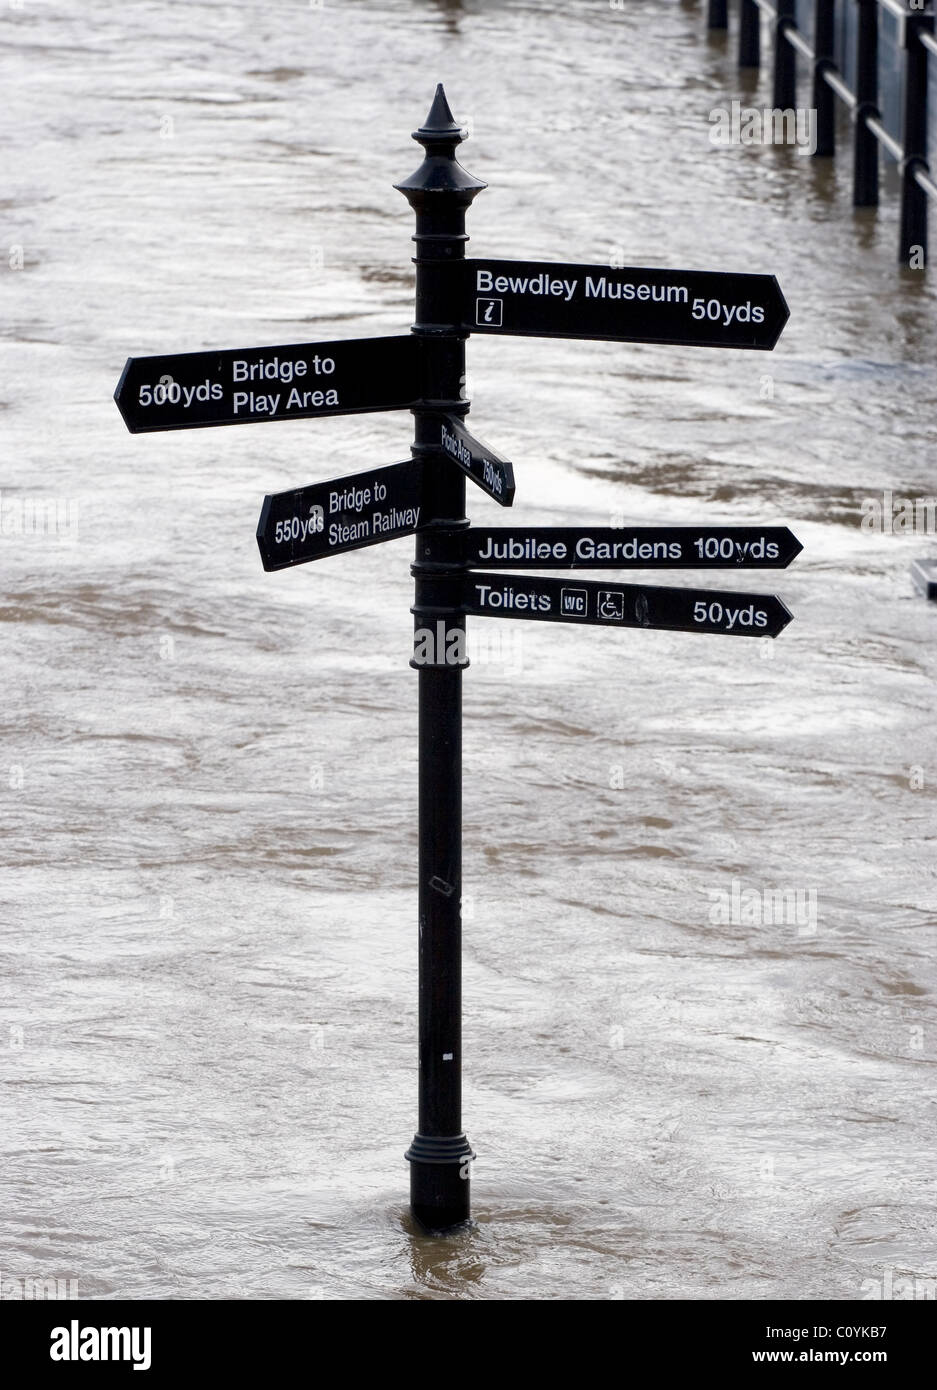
425, 496
635, 547
694, 308
345, 514
624, 605
242, 385
492, 473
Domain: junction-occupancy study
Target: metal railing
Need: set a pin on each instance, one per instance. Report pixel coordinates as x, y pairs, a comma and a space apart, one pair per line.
917, 41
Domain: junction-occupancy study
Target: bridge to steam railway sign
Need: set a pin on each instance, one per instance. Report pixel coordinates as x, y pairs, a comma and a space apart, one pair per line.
459, 570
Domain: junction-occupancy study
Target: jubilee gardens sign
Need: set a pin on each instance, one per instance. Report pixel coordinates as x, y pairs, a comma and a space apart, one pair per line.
460, 569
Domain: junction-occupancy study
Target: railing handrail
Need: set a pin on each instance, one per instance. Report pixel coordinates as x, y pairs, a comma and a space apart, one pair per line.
896, 8
917, 40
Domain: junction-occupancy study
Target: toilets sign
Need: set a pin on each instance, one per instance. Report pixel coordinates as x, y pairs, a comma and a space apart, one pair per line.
625, 605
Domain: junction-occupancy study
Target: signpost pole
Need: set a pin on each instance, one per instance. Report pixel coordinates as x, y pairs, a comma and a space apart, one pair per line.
440, 1155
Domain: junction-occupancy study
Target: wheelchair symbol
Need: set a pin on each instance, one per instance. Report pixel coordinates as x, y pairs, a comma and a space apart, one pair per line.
611, 604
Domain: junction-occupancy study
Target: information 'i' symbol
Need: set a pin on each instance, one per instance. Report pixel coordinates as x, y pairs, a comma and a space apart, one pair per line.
316, 518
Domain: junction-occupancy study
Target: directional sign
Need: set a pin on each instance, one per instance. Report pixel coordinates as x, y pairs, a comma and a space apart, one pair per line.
624, 605
240, 385
631, 304
636, 547
344, 514
493, 474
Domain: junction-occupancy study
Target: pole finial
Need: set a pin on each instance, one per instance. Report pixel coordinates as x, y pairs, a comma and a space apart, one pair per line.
440, 171
440, 122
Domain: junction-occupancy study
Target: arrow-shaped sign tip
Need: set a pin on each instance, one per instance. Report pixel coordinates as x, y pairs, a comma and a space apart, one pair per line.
785, 616
784, 312
118, 392
261, 528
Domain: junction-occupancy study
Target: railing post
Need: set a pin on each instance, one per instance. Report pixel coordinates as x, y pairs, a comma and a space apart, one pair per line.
865, 163
718, 14
914, 139
824, 100
749, 35
785, 59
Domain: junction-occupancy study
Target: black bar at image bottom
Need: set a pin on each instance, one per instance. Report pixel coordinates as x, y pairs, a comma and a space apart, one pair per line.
264, 1335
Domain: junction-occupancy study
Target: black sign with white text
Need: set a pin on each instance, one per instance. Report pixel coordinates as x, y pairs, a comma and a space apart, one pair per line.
242, 385
624, 605
636, 547
309, 523
492, 473
691, 308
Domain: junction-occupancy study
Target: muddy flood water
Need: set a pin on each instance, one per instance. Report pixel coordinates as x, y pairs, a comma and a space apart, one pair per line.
700, 904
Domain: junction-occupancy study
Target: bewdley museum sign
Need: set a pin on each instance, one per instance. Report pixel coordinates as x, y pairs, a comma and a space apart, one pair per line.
458, 568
